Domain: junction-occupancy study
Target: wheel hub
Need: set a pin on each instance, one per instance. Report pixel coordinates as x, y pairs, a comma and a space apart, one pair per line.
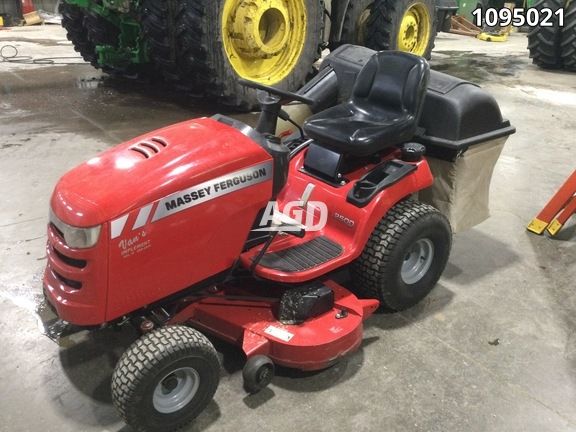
417, 261
176, 390
260, 31
263, 40
415, 30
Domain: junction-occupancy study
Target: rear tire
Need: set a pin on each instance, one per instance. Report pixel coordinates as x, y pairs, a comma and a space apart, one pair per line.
187, 43
384, 26
544, 42
568, 45
404, 257
165, 379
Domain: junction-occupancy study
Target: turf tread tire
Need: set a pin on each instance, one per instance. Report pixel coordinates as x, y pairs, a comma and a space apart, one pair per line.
373, 273
145, 357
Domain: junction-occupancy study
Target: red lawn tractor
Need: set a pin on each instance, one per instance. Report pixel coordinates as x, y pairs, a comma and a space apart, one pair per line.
212, 227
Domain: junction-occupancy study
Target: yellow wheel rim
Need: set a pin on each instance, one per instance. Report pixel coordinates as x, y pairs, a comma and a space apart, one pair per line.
263, 39
415, 29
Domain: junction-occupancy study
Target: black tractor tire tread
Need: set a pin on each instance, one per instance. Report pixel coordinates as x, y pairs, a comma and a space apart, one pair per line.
568, 44
380, 28
73, 22
99, 30
140, 358
349, 30
544, 42
193, 66
161, 38
371, 268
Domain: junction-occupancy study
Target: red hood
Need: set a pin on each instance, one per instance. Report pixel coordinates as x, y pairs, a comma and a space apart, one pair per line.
123, 178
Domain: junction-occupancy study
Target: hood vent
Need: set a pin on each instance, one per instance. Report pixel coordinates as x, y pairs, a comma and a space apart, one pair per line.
150, 147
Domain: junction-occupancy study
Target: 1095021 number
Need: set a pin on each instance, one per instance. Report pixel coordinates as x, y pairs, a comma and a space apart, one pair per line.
518, 17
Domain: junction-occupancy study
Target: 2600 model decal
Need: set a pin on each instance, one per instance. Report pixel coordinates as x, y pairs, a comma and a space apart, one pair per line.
199, 194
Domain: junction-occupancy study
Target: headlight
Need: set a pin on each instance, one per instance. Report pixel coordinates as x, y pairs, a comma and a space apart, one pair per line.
76, 238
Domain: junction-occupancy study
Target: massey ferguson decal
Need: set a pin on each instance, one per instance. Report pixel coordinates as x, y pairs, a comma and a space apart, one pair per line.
212, 189
196, 195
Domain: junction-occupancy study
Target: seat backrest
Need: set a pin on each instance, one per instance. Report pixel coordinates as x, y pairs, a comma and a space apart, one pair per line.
393, 81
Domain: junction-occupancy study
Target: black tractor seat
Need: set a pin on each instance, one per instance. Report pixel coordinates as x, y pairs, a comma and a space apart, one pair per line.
384, 109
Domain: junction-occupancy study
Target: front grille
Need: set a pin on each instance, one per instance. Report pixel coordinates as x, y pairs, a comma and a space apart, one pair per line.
71, 283
73, 262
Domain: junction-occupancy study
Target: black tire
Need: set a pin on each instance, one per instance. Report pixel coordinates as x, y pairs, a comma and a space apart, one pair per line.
355, 21
73, 22
162, 35
100, 31
544, 42
186, 45
377, 273
383, 25
257, 373
153, 360
568, 44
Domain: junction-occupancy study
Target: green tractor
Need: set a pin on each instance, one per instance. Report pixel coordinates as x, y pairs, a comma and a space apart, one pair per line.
204, 46
554, 47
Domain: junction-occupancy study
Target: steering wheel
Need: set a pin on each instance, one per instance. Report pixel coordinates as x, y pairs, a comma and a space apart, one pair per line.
285, 96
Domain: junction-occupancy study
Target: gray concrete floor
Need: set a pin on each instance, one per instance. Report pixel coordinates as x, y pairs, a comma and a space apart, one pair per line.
429, 369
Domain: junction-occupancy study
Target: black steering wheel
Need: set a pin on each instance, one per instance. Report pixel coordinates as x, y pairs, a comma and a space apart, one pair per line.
285, 96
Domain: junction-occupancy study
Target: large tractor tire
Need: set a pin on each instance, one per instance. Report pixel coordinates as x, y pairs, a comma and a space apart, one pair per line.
405, 25
87, 30
568, 44
208, 44
73, 22
544, 42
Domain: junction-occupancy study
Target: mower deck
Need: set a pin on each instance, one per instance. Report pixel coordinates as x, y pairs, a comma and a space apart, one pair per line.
252, 324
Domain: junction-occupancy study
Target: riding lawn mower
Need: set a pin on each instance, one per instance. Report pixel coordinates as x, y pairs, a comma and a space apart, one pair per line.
215, 228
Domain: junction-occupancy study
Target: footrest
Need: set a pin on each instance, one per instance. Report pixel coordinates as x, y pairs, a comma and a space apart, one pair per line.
302, 257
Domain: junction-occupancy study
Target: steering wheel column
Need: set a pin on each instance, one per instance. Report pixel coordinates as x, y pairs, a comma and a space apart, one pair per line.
271, 100
270, 105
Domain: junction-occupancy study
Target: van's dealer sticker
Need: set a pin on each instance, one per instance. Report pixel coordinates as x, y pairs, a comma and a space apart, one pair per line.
279, 333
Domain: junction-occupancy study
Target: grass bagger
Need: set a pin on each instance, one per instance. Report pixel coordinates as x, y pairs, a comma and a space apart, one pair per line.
213, 227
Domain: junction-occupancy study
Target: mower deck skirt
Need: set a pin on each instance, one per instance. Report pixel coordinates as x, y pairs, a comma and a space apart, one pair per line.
316, 344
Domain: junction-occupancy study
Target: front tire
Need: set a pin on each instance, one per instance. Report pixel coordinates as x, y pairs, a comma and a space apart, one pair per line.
165, 379
404, 257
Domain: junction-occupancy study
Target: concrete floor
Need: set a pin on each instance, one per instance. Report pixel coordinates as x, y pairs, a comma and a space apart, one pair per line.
429, 369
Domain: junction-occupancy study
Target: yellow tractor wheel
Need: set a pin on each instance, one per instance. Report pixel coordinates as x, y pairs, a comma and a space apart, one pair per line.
208, 44
404, 25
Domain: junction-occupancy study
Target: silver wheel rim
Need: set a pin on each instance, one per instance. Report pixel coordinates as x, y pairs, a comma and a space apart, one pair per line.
417, 261
176, 390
